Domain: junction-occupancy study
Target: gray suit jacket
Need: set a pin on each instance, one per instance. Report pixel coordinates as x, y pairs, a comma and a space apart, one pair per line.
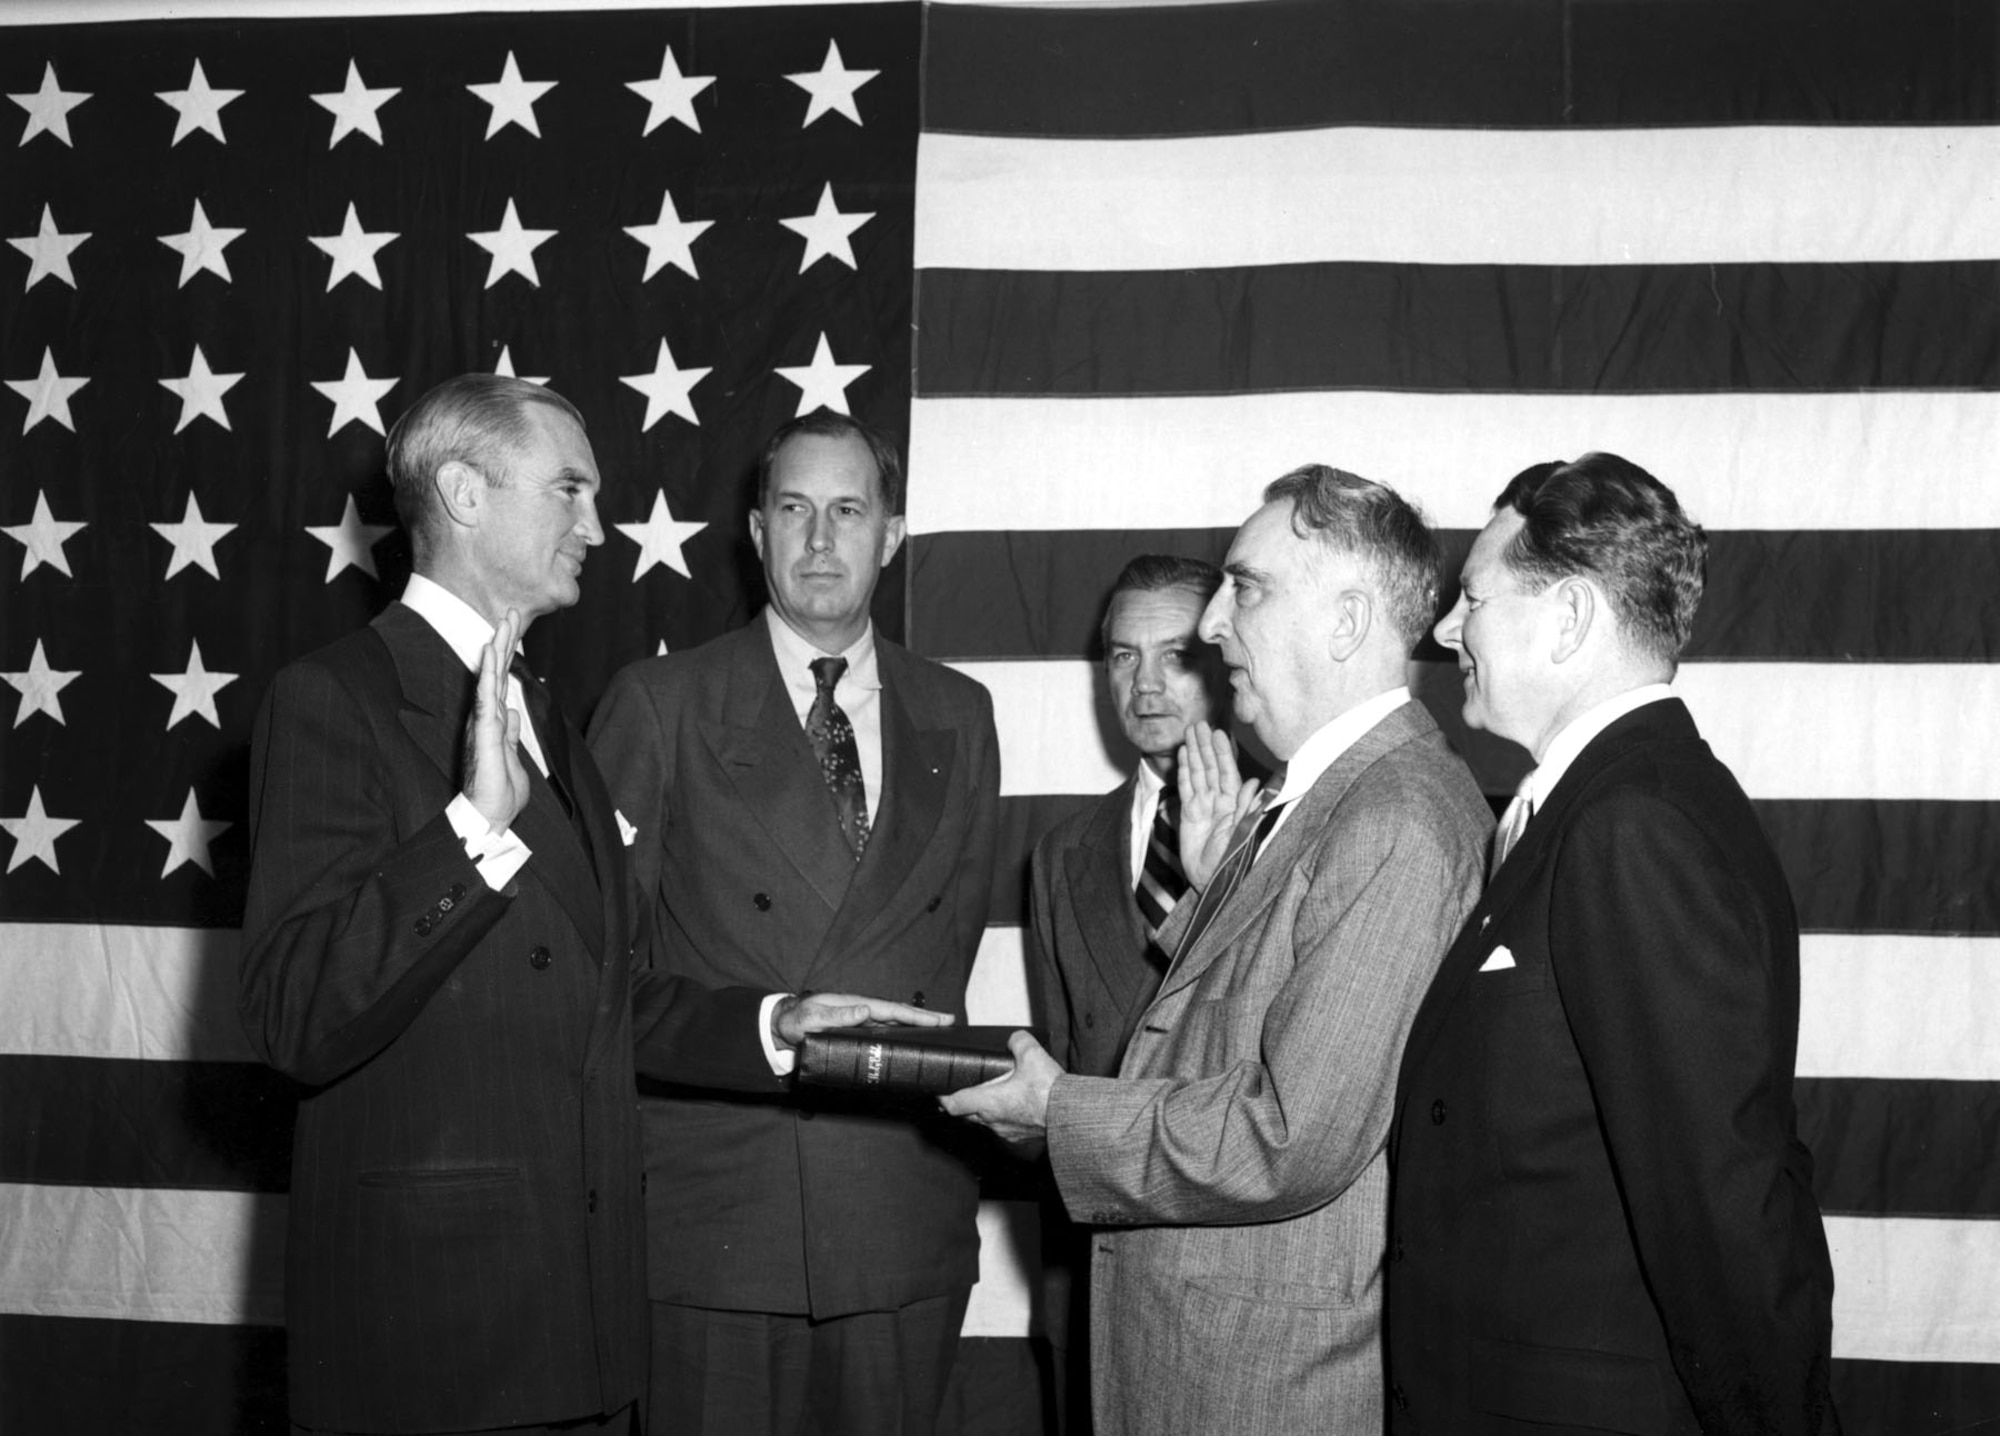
1092, 966
1237, 1161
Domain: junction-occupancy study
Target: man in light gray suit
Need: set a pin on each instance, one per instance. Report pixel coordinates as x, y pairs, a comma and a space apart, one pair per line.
1236, 1162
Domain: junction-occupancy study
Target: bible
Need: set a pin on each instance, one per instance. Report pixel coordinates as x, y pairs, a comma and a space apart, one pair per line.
906, 1061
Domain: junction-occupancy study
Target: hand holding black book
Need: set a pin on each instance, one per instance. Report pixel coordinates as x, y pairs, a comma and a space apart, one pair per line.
906, 1061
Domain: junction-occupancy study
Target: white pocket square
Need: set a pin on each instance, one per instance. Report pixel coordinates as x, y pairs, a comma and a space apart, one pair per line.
1500, 960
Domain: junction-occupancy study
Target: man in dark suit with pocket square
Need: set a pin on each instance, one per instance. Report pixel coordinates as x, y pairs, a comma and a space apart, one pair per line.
437, 944
1602, 1216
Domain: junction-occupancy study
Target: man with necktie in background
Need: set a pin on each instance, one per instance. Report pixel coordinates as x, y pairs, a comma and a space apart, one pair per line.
810, 806
1603, 1217
1103, 881
437, 944
1236, 1163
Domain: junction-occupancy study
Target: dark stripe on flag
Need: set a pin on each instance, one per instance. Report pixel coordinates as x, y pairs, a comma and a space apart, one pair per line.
1294, 64
1611, 329
76, 1375
96, 1122
1772, 595
1835, 853
1902, 1147
1934, 1398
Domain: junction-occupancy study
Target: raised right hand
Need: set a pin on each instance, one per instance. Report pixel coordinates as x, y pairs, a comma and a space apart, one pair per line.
496, 783
1214, 798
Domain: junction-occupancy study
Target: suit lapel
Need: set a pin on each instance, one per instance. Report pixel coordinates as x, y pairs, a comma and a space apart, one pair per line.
1304, 828
1096, 869
1520, 877
437, 700
916, 779
763, 749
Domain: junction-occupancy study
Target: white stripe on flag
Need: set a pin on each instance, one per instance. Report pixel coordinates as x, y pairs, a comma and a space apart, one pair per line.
1896, 1005
1915, 1289
139, 1254
160, 994
1763, 194
1787, 730
1010, 1267
1888, 460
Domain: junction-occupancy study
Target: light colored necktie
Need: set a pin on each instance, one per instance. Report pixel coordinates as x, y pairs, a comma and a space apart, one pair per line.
1513, 821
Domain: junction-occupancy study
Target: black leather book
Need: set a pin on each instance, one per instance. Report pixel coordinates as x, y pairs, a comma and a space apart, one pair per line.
906, 1061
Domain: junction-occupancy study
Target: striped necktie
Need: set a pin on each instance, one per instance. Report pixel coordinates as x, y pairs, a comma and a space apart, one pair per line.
1161, 881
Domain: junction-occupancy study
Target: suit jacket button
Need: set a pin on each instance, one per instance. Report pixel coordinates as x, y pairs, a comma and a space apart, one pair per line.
1437, 1113
446, 904
458, 892
763, 902
590, 1200
538, 957
642, 1184
916, 999
932, 905
1090, 1019
424, 925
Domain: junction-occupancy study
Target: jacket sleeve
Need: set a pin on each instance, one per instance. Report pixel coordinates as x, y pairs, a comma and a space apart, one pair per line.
1679, 980
633, 750
1048, 994
356, 915
1305, 1105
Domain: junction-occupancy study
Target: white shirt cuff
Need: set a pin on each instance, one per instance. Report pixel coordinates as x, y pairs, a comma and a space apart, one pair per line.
498, 856
782, 1059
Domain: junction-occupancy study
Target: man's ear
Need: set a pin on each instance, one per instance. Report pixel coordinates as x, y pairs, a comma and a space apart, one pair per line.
892, 537
1353, 618
1577, 605
461, 493
757, 532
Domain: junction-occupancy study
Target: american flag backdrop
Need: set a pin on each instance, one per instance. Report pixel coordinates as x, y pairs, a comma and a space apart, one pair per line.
1107, 271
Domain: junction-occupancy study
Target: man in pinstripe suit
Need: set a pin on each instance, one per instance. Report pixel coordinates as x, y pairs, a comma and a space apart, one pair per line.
436, 944
1236, 1164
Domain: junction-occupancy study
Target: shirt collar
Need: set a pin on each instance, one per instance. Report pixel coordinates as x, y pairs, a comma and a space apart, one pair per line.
457, 622
795, 655
1566, 745
1320, 751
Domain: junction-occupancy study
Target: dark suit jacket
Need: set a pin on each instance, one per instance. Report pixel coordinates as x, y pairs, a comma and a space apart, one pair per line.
1602, 1214
799, 1205
1091, 963
465, 1222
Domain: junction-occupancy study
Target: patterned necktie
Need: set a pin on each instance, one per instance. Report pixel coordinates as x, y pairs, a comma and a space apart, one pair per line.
1512, 822
839, 759
1161, 881
1243, 845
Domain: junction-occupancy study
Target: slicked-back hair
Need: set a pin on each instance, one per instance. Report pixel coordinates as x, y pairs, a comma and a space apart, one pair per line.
827, 424
1375, 524
480, 420
1606, 517
1156, 573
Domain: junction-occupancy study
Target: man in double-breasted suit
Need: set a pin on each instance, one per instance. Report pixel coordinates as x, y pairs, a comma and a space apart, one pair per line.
1603, 1217
1236, 1162
1102, 881
437, 944
810, 806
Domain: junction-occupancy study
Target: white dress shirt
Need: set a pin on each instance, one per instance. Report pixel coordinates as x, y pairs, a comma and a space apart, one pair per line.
1323, 749
1146, 790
